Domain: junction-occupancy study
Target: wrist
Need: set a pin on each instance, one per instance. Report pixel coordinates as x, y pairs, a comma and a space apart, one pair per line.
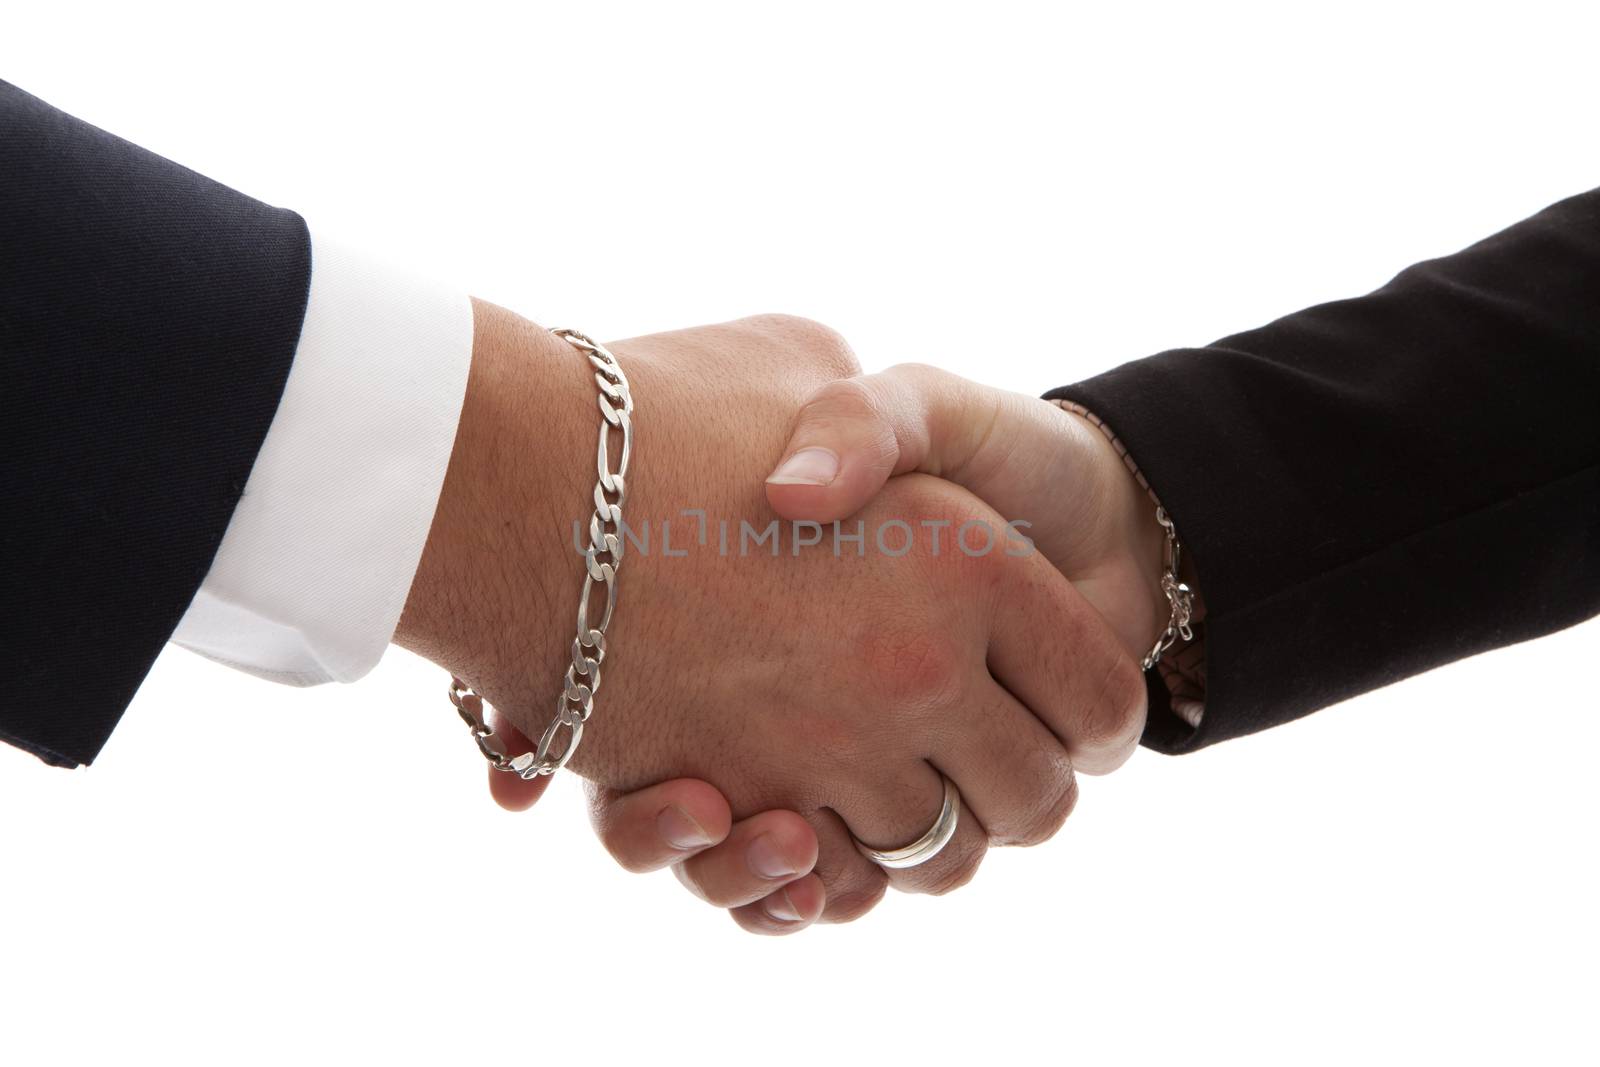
1134, 542
498, 524
1148, 552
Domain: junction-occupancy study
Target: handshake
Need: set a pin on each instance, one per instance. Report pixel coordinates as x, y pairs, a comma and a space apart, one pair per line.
856, 608
869, 626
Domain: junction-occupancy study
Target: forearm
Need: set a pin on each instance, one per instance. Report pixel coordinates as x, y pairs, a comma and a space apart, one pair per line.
1377, 486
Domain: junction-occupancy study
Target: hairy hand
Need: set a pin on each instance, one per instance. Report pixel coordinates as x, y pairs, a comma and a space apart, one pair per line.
839, 686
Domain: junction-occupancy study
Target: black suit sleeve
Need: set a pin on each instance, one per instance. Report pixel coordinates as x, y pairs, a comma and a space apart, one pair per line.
148, 320
1374, 487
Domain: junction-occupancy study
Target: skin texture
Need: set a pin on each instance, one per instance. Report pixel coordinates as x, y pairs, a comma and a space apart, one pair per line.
836, 687
1021, 455
1024, 456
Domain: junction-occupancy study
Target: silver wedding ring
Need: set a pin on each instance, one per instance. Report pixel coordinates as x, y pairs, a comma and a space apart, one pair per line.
929, 844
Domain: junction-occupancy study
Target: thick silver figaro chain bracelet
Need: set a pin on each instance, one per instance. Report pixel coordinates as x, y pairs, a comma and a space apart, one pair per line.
601, 559
1180, 598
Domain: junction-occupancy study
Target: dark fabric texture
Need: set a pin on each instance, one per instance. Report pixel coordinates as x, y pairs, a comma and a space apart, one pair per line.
1372, 488
148, 320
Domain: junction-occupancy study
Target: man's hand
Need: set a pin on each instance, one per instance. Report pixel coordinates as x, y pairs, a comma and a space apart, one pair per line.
838, 686
1025, 457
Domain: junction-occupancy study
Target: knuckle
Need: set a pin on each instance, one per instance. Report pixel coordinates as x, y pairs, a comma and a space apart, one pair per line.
1057, 813
848, 401
825, 345
957, 872
1115, 757
852, 402
916, 667
847, 398
925, 376
1039, 821
959, 540
1115, 717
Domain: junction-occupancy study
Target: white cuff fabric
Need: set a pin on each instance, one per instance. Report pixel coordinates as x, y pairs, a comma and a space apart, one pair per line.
313, 572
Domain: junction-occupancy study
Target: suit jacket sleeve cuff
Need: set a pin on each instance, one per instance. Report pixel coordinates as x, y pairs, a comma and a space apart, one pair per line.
1374, 487
314, 569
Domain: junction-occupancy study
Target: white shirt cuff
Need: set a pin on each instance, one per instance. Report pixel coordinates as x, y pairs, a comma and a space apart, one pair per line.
313, 572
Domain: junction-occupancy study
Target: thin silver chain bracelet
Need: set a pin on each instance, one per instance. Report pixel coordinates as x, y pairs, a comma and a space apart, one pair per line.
1179, 596
602, 558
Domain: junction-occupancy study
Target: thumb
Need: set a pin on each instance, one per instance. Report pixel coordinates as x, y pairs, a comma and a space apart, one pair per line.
854, 434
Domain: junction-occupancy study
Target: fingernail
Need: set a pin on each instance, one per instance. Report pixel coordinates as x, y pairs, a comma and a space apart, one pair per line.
765, 859
809, 466
780, 907
678, 828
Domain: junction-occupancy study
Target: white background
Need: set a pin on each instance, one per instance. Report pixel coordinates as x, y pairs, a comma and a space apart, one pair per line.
1026, 194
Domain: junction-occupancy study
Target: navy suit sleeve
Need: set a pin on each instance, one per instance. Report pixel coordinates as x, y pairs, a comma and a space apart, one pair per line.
148, 320
1374, 487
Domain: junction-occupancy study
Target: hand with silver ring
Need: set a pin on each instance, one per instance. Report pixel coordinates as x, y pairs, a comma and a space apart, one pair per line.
1022, 455
929, 844
843, 687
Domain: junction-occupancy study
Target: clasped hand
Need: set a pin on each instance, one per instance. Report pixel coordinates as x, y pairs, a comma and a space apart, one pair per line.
767, 701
